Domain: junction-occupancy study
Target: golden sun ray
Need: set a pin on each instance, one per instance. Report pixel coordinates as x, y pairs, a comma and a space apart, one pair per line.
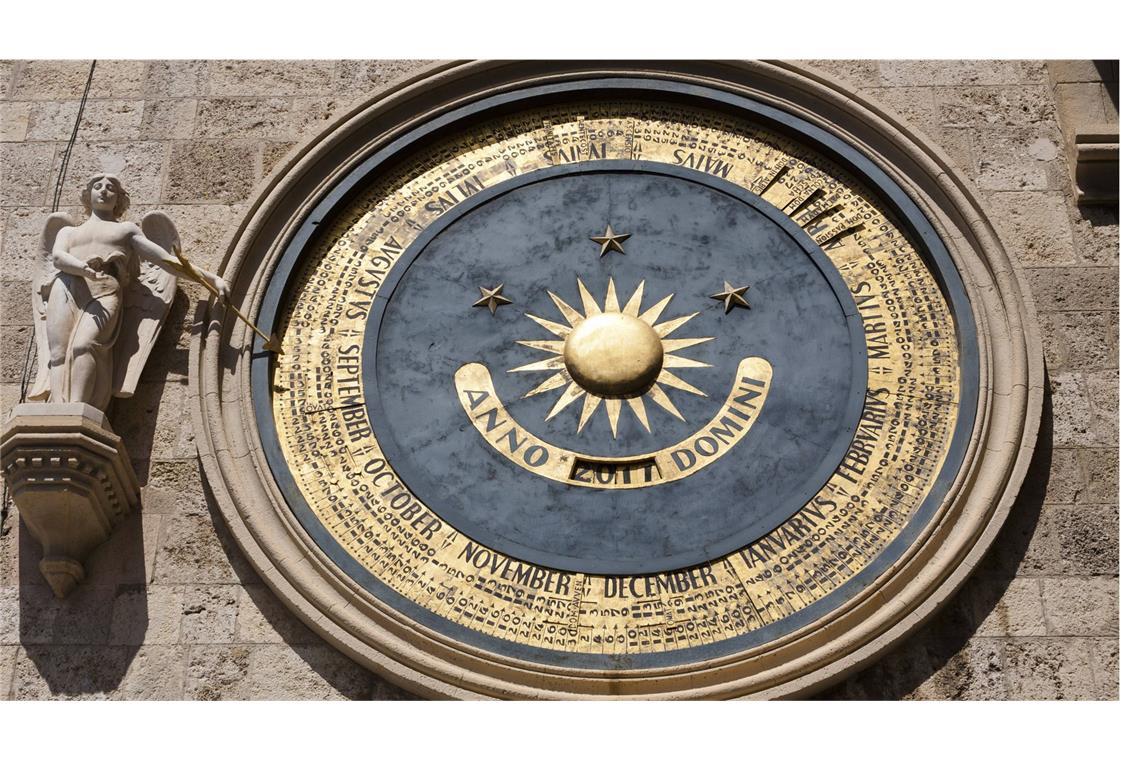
664, 401
554, 362
665, 328
588, 406
613, 411
560, 330
677, 362
569, 396
611, 298
638, 407
634, 304
668, 378
550, 346
549, 384
573, 318
589, 305
653, 312
676, 344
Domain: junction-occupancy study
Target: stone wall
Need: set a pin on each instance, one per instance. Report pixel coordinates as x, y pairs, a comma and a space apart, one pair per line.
171, 609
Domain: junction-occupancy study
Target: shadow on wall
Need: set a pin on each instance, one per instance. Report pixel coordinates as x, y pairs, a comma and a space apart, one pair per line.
67, 640
936, 662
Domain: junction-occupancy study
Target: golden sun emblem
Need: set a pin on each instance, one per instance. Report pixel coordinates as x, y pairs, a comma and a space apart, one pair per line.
612, 354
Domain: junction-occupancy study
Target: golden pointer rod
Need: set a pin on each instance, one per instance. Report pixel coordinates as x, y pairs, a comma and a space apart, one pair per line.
271, 342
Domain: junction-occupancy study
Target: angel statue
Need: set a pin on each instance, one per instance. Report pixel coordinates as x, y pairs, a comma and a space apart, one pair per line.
105, 289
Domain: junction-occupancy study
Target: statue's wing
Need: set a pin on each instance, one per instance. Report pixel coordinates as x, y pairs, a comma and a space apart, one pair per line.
146, 302
41, 288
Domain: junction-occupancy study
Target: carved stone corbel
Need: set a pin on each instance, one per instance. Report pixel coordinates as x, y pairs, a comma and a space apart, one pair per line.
71, 478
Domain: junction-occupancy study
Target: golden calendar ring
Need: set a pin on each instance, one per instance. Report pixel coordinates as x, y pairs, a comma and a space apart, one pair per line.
630, 241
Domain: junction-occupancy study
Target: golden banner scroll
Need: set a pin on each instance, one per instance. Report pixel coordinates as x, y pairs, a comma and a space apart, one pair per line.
740, 411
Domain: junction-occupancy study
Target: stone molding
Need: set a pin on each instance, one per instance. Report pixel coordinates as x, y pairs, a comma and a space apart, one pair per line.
935, 566
1087, 93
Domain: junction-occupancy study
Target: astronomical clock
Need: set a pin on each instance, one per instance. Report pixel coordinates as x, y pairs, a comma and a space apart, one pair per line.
680, 380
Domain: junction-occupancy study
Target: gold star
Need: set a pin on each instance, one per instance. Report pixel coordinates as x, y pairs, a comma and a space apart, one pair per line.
609, 241
492, 298
732, 297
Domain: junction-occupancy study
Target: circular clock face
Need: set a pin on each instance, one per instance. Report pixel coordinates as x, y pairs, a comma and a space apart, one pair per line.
615, 375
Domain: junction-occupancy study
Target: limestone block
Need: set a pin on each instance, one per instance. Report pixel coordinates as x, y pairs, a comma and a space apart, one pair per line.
128, 556
146, 615
99, 673
51, 80
29, 614
10, 542
71, 477
6, 71
209, 171
267, 671
112, 120
1072, 410
1050, 668
1064, 481
1082, 606
264, 619
1027, 545
14, 121
244, 117
265, 78
204, 231
1087, 538
137, 163
915, 105
272, 154
7, 668
168, 119
15, 302
173, 486
1035, 226
950, 73
1096, 231
1106, 667
26, 171
156, 421
13, 350
1074, 288
191, 552
1018, 610
1102, 468
1104, 394
994, 106
175, 79
21, 247
973, 672
1085, 339
958, 143
84, 617
1019, 158
310, 115
209, 614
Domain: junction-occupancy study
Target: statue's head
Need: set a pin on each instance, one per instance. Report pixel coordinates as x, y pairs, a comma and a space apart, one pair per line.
105, 192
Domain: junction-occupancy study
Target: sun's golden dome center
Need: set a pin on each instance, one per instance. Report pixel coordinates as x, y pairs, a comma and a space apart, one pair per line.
614, 355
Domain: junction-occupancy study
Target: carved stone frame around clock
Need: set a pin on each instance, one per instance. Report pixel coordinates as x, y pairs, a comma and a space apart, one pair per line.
863, 628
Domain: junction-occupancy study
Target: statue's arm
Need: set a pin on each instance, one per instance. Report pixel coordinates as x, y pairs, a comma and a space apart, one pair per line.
154, 253
62, 259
